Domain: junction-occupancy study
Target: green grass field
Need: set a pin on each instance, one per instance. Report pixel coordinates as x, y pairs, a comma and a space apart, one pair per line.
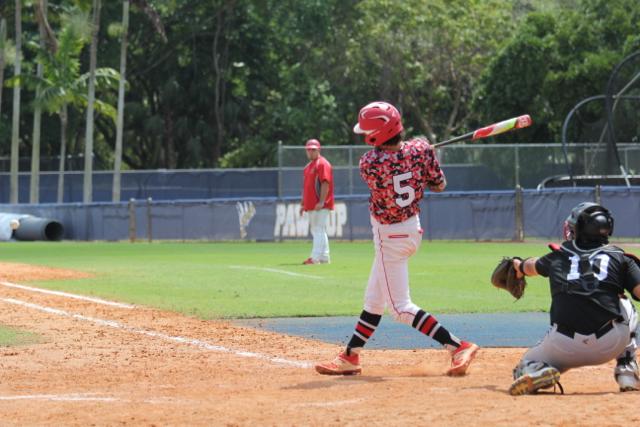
244, 280
12, 336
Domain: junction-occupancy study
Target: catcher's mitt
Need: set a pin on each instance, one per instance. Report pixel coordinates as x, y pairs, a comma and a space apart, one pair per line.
504, 277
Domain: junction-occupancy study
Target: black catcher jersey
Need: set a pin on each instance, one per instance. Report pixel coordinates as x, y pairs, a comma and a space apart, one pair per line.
586, 284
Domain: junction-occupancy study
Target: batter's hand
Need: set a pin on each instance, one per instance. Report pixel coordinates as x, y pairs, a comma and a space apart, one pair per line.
318, 206
301, 210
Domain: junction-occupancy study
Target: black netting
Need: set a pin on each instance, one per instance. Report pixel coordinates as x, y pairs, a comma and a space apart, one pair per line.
623, 98
609, 124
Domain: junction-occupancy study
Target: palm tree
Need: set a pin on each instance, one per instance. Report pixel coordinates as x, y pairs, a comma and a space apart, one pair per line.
3, 48
15, 127
120, 121
88, 147
34, 190
154, 17
62, 86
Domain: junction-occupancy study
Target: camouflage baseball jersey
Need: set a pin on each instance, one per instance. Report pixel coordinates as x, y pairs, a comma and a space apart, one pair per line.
397, 179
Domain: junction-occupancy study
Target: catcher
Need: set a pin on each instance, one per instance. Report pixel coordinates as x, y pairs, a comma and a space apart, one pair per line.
592, 321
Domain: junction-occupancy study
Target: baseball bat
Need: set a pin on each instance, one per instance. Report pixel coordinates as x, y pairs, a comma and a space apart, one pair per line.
491, 130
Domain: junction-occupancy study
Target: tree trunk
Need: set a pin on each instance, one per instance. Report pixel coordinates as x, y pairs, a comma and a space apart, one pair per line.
64, 119
15, 130
220, 58
46, 33
170, 160
88, 141
34, 189
120, 119
3, 44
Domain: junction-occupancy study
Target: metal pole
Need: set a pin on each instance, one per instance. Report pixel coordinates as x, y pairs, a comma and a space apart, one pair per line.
350, 170
132, 220
149, 228
598, 194
517, 171
279, 169
626, 158
519, 236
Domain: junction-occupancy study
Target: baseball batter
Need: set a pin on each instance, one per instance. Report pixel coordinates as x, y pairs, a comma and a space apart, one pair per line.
397, 173
592, 322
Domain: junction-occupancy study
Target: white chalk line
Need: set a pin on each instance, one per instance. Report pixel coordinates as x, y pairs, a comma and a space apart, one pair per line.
275, 270
86, 397
61, 398
329, 403
67, 295
176, 339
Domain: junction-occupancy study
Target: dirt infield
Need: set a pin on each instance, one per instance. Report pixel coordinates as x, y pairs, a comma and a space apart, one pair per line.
18, 273
105, 365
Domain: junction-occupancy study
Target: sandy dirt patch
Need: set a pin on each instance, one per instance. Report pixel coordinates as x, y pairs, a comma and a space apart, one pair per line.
20, 273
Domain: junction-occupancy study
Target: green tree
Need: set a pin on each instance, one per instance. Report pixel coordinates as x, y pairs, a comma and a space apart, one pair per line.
556, 60
425, 57
3, 56
62, 84
154, 17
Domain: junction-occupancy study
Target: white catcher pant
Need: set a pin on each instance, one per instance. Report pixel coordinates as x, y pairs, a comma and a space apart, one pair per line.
564, 353
389, 279
318, 222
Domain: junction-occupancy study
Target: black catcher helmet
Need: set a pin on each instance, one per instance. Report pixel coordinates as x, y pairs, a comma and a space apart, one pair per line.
589, 222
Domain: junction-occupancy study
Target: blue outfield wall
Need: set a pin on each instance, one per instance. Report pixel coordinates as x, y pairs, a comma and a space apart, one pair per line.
448, 215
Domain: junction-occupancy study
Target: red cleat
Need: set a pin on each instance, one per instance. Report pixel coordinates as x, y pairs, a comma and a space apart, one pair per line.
461, 358
341, 365
309, 261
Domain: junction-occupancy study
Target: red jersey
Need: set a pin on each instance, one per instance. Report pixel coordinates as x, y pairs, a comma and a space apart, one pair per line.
316, 172
397, 179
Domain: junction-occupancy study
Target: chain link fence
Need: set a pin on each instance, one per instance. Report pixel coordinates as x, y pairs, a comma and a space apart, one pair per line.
472, 167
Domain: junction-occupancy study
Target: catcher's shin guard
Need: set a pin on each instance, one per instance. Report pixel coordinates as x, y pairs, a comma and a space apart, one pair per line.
533, 380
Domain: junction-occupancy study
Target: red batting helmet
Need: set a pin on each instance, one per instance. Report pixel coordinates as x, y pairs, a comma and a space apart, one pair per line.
379, 122
312, 144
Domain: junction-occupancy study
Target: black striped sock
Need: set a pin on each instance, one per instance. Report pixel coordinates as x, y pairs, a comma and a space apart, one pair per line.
428, 325
365, 327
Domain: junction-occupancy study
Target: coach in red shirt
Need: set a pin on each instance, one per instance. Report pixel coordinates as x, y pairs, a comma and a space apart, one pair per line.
317, 201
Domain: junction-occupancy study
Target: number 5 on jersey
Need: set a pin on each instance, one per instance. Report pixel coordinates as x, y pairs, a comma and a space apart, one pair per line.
406, 192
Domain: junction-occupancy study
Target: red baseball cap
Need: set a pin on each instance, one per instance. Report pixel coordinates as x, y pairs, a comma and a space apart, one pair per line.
312, 144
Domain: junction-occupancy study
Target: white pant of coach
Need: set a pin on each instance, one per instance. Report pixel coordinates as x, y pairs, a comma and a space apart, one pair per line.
389, 279
318, 223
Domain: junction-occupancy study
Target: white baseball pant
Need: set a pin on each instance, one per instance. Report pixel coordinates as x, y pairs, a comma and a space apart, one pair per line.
318, 222
389, 278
